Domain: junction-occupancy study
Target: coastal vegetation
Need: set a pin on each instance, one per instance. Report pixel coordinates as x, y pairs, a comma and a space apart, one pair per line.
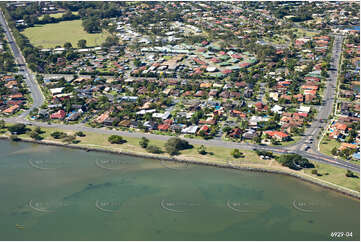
219, 155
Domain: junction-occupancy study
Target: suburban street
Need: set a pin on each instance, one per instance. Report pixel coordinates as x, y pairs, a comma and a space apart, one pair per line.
36, 94
325, 110
300, 147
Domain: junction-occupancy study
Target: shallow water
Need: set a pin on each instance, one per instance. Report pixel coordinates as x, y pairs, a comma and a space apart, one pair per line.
52, 193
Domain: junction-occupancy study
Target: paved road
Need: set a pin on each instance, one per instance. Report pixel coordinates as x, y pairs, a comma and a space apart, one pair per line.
296, 148
36, 93
325, 110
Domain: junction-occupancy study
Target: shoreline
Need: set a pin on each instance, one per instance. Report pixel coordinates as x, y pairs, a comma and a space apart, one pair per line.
305, 178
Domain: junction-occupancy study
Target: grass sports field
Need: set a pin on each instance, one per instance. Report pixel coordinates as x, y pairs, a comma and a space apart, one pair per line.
51, 35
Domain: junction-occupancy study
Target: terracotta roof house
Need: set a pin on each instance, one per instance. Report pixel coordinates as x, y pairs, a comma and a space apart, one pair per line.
340, 126
309, 87
236, 132
58, 115
298, 97
204, 128
348, 146
102, 117
163, 127
11, 109
277, 135
261, 107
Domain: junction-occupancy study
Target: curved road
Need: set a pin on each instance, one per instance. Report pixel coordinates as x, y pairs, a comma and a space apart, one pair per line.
298, 148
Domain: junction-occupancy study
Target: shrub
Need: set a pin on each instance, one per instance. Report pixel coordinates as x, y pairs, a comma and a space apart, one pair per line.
14, 138
38, 130
334, 151
116, 139
236, 153
58, 135
2, 124
202, 150
70, 139
350, 174
144, 142
153, 149
35, 135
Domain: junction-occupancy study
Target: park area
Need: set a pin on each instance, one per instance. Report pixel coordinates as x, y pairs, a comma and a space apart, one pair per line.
52, 35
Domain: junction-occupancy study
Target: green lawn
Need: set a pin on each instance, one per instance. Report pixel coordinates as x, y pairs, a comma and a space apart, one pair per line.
56, 15
51, 35
327, 145
335, 175
302, 32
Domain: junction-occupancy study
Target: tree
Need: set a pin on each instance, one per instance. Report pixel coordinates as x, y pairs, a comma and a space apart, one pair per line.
174, 145
17, 129
68, 45
82, 43
38, 130
236, 153
202, 150
334, 151
144, 142
294, 161
80, 134
70, 139
226, 129
172, 150
350, 174
110, 41
2, 124
116, 139
153, 149
257, 139
91, 25
314, 172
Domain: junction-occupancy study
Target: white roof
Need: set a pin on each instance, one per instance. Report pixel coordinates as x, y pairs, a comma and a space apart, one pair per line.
143, 111
304, 109
161, 115
277, 109
190, 130
56, 90
258, 119
211, 68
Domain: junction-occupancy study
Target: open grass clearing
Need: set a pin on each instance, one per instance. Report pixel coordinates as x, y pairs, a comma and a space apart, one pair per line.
57, 15
335, 175
52, 35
